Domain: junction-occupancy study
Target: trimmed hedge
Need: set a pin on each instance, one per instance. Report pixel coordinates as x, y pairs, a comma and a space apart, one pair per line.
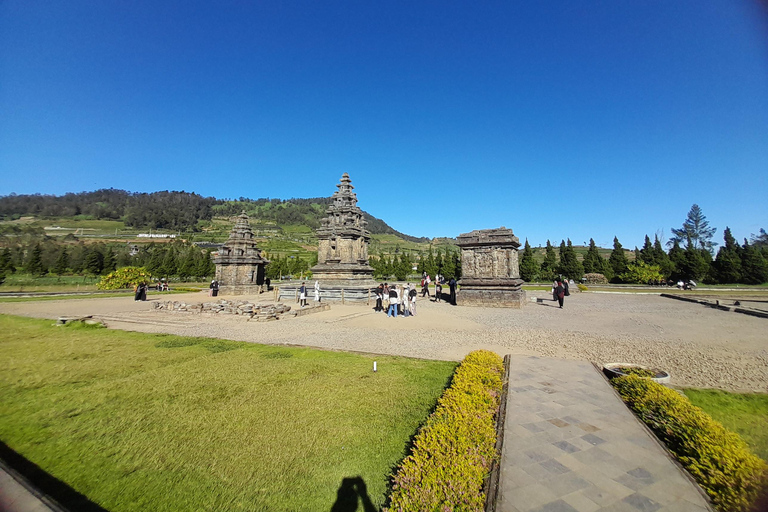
453, 451
718, 459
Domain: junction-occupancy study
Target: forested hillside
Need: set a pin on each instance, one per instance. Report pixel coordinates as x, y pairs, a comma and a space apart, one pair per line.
175, 211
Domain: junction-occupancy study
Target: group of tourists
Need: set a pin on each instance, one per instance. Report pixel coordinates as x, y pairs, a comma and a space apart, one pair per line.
396, 299
140, 292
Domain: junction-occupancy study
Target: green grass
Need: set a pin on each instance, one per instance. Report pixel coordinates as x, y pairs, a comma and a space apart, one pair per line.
159, 422
745, 414
18, 282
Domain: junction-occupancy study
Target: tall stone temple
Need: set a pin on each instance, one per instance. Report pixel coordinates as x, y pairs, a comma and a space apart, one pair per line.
490, 273
342, 253
239, 264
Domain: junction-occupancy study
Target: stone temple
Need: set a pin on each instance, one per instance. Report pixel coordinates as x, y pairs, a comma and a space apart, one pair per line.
239, 264
490, 273
342, 252
342, 268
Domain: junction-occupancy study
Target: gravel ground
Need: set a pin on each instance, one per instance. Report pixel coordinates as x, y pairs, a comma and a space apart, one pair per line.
698, 346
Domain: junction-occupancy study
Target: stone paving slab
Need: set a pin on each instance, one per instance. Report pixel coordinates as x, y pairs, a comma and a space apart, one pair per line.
571, 445
15, 497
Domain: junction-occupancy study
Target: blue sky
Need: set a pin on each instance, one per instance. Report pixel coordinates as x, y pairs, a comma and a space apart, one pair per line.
556, 119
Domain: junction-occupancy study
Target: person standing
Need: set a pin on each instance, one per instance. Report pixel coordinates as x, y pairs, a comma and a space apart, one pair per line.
438, 288
406, 301
559, 292
137, 292
303, 295
452, 285
317, 291
413, 295
379, 298
393, 302
425, 285
143, 291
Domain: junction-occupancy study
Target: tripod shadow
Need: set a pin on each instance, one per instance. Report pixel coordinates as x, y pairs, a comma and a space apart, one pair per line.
350, 492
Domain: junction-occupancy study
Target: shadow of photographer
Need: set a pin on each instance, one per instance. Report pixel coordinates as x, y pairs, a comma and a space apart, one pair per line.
350, 492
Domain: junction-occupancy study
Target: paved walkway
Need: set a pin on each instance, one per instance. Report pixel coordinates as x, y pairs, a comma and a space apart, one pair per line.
14, 497
571, 445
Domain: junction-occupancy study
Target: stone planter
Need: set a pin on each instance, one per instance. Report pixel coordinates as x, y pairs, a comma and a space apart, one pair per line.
613, 370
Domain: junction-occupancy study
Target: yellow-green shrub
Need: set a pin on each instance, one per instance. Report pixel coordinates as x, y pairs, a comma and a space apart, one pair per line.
718, 459
125, 277
453, 451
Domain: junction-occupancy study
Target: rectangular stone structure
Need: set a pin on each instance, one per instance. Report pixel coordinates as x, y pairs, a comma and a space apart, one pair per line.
490, 273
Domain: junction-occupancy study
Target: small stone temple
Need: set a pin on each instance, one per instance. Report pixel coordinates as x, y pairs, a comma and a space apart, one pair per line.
239, 264
490, 274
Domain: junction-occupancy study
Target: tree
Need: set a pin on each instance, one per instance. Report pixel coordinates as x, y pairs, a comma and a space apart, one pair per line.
727, 266
529, 267
549, 265
647, 254
110, 262
641, 272
760, 240
618, 260
449, 265
753, 265
666, 267
694, 265
34, 264
592, 260
695, 230
6, 261
677, 257
60, 267
94, 262
570, 267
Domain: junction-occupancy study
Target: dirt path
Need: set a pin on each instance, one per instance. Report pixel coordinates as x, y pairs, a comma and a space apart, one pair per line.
699, 346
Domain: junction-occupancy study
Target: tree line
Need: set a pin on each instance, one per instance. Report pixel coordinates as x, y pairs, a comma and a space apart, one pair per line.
42, 257
178, 211
447, 263
690, 257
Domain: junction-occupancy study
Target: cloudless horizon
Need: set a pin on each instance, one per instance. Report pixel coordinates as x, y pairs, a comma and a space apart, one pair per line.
554, 119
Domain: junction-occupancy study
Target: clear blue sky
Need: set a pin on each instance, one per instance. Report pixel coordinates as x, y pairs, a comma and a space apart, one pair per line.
556, 119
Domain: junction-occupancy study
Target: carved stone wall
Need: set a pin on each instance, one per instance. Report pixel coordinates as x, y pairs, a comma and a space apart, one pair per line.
490, 269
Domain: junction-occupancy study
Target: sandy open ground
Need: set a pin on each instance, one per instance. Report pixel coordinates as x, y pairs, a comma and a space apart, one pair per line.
699, 346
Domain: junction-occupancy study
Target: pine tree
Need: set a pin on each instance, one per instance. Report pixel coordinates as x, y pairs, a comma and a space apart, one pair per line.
34, 264
94, 262
618, 260
592, 260
188, 264
666, 267
695, 230
726, 268
549, 265
529, 267
449, 265
570, 267
6, 261
753, 265
110, 261
60, 267
169, 266
677, 257
694, 265
647, 254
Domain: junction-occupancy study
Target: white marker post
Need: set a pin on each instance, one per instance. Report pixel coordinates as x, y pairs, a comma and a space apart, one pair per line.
374, 366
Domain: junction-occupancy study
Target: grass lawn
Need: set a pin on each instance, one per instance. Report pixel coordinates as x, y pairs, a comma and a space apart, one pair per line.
745, 414
159, 422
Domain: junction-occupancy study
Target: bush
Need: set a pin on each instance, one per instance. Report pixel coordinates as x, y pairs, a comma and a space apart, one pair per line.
595, 278
126, 277
719, 460
453, 451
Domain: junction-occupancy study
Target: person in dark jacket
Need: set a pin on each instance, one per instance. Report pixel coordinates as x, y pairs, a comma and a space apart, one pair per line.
560, 292
452, 285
